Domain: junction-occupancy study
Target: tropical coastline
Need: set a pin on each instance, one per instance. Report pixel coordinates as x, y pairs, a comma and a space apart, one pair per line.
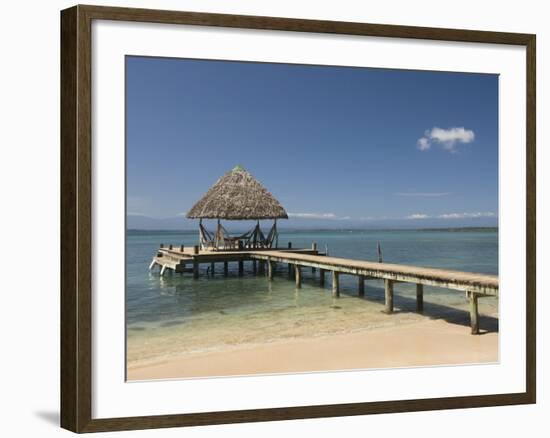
422, 343
178, 326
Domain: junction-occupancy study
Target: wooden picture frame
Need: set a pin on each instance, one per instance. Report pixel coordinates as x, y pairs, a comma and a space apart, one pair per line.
76, 217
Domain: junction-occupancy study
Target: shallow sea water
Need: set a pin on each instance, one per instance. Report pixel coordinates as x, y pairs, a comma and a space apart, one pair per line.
174, 315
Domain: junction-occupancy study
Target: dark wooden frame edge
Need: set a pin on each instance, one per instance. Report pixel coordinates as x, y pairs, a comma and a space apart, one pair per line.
76, 191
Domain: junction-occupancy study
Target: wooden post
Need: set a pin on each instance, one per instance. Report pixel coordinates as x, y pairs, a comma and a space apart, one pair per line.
335, 284
388, 289
182, 248
196, 249
225, 269
289, 265
195, 269
152, 265
313, 248
474, 313
269, 269
254, 267
361, 285
170, 246
322, 277
298, 272
261, 267
162, 270
241, 268
419, 297
212, 268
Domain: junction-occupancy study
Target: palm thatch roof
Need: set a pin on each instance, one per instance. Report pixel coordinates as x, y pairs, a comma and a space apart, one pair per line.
237, 195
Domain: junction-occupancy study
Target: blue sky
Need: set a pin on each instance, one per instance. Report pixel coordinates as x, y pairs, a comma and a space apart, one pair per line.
335, 145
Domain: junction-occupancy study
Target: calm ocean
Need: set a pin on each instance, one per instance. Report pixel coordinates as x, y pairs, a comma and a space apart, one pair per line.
173, 315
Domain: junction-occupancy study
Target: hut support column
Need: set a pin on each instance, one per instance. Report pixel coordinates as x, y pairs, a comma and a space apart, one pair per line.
419, 297
322, 277
335, 284
219, 235
474, 313
298, 273
200, 233
388, 289
225, 269
361, 285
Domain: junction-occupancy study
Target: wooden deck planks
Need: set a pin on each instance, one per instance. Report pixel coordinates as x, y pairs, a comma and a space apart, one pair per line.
474, 284
466, 281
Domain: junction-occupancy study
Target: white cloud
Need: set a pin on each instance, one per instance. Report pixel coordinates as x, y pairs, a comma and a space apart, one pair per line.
423, 194
417, 216
316, 216
423, 144
452, 215
447, 138
466, 215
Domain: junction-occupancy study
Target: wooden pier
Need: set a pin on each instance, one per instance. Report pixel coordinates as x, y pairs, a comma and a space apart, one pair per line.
187, 259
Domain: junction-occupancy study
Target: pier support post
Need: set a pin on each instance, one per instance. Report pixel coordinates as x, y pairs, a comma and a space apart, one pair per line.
269, 269
225, 269
361, 285
419, 297
162, 270
313, 248
152, 265
241, 268
474, 313
254, 267
388, 289
322, 277
195, 269
261, 267
298, 272
335, 284
212, 268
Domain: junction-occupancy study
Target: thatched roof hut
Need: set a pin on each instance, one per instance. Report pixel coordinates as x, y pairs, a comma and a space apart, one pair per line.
237, 195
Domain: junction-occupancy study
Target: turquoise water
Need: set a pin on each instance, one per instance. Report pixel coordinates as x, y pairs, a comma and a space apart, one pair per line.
173, 315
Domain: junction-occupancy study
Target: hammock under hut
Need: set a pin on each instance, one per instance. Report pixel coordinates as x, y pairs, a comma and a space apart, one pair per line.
237, 195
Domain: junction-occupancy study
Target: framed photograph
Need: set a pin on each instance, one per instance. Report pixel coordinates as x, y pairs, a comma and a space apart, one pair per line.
270, 218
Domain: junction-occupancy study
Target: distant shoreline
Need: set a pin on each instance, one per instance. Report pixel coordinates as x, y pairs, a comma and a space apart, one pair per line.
301, 230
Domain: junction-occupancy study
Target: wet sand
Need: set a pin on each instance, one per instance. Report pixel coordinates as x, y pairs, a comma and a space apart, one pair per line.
426, 343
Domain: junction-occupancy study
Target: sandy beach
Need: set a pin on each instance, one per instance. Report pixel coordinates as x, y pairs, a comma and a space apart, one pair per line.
425, 343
